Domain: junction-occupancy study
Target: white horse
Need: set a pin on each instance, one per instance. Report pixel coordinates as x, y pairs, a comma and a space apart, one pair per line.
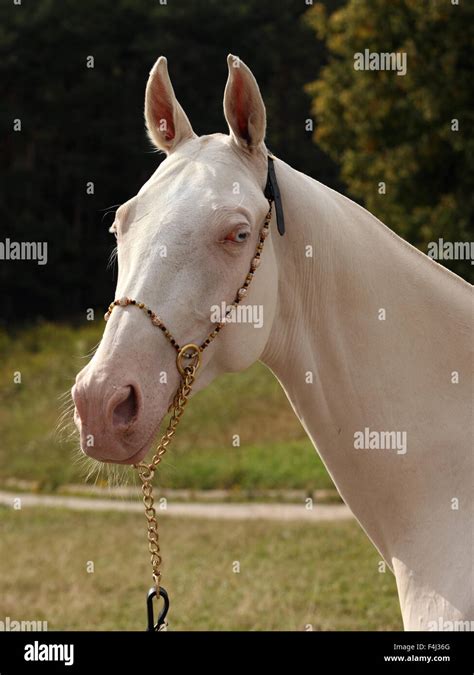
370, 339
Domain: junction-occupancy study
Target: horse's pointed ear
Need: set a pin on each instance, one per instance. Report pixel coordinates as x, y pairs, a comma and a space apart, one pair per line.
166, 121
244, 109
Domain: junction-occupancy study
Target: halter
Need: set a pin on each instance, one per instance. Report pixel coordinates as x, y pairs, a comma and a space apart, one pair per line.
188, 360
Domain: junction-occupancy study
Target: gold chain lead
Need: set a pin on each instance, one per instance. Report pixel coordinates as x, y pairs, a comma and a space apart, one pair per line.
146, 471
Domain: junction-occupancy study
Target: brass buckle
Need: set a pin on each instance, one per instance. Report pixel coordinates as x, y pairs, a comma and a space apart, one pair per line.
189, 351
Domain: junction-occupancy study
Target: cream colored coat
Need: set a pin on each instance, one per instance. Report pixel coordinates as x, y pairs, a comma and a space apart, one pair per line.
361, 329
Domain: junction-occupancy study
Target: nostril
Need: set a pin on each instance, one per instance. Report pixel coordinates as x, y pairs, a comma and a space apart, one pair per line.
126, 411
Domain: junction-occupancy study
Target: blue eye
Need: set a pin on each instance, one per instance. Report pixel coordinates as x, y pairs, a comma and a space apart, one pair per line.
238, 236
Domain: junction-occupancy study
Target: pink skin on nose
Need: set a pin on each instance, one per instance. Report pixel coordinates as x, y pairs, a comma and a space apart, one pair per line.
109, 422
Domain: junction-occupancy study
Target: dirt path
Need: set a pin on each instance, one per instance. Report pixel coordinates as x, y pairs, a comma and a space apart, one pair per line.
252, 511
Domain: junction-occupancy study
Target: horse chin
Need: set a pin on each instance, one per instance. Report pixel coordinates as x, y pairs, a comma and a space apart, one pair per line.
136, 458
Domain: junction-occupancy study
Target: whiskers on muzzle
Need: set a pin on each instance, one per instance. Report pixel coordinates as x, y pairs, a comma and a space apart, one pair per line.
92, 472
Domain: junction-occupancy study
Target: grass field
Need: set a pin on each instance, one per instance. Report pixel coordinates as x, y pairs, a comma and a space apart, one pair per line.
274, 450
291, 575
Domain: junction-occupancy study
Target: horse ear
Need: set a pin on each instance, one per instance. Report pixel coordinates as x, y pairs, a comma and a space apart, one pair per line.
166, 121
244, 109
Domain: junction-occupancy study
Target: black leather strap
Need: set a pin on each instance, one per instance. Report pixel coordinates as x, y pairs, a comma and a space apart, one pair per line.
272, 191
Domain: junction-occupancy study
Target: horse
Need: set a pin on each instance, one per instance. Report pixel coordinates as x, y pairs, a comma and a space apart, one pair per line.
370, 339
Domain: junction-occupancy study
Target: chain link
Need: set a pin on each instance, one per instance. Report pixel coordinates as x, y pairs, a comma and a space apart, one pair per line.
146, 471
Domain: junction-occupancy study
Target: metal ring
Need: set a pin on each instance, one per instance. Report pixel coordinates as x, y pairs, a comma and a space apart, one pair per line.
145, 471
184, 353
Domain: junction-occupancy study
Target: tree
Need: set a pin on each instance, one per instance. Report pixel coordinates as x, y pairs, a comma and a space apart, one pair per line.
83, 124
411, 132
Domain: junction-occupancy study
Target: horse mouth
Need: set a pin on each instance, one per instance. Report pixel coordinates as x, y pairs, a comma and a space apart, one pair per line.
134, 459
138, 456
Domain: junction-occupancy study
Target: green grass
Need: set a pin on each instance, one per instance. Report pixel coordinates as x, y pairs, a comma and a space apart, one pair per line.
291, 574
274, 451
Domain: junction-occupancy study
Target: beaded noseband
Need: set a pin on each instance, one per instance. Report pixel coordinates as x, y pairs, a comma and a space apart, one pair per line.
188, 360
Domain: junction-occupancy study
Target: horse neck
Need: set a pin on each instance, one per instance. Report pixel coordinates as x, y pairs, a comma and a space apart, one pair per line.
344, 367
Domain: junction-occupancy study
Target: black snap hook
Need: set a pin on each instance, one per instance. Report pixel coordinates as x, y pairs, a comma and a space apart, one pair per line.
152, 626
